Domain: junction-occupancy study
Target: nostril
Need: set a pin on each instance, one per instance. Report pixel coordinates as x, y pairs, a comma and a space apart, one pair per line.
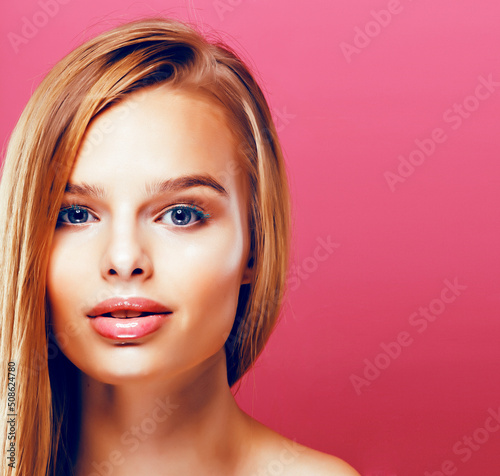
136, 271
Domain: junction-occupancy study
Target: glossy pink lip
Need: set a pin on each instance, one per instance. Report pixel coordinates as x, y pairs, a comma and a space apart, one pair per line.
121, 327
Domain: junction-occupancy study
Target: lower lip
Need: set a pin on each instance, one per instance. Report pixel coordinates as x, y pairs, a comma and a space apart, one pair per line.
127, 328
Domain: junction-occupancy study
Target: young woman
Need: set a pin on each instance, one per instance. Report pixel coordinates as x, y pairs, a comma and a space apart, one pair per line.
145, 234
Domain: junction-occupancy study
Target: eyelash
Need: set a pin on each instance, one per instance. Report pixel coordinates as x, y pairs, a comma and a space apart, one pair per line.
202, 217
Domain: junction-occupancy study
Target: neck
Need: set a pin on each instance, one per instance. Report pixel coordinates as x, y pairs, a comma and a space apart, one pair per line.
163, 422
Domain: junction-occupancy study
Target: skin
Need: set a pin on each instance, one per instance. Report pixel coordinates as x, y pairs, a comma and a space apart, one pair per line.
162, 405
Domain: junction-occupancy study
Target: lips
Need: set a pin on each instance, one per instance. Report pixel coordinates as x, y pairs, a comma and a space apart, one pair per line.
126, 319
127, 307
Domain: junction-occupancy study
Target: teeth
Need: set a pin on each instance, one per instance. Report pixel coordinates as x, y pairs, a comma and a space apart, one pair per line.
125, 313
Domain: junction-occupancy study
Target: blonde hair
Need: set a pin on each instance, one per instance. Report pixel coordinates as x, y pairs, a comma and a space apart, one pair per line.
39, 158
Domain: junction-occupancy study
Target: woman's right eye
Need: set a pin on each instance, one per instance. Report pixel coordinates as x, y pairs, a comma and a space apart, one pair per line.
74, 215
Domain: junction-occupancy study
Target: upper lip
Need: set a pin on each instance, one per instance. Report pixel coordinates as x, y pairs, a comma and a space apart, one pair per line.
128, 307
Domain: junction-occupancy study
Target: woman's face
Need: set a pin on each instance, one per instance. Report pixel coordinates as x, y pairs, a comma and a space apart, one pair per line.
155, 209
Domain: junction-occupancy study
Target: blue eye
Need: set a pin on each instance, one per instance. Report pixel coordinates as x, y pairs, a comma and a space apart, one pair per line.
74, 215
181, 215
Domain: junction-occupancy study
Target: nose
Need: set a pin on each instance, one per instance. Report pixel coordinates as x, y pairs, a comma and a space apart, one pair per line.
126, 256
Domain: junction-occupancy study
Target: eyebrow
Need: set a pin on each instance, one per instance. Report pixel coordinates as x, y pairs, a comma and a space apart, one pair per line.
155, 188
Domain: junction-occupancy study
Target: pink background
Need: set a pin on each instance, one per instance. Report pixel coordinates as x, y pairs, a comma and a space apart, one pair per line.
346, 115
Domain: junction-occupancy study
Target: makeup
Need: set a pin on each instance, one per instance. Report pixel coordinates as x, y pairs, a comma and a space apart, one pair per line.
117, 328
128, 318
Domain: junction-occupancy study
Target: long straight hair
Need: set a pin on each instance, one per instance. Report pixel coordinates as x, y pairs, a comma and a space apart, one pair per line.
40, 155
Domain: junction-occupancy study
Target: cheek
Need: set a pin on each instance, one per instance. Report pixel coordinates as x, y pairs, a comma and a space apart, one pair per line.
67, 278
204, 278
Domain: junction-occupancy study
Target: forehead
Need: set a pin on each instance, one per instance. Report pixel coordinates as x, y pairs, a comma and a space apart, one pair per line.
160, 132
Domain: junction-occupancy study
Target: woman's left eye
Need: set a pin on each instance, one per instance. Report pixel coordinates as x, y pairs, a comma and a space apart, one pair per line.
74, 215
182, 215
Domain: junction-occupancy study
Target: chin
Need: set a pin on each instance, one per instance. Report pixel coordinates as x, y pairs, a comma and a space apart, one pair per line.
118, 375
126, 364
133, 363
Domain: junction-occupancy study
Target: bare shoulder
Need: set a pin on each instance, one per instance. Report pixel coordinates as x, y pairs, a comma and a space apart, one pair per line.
316, 463
276, 454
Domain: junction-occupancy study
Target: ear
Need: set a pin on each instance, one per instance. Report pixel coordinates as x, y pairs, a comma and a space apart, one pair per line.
249, 271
